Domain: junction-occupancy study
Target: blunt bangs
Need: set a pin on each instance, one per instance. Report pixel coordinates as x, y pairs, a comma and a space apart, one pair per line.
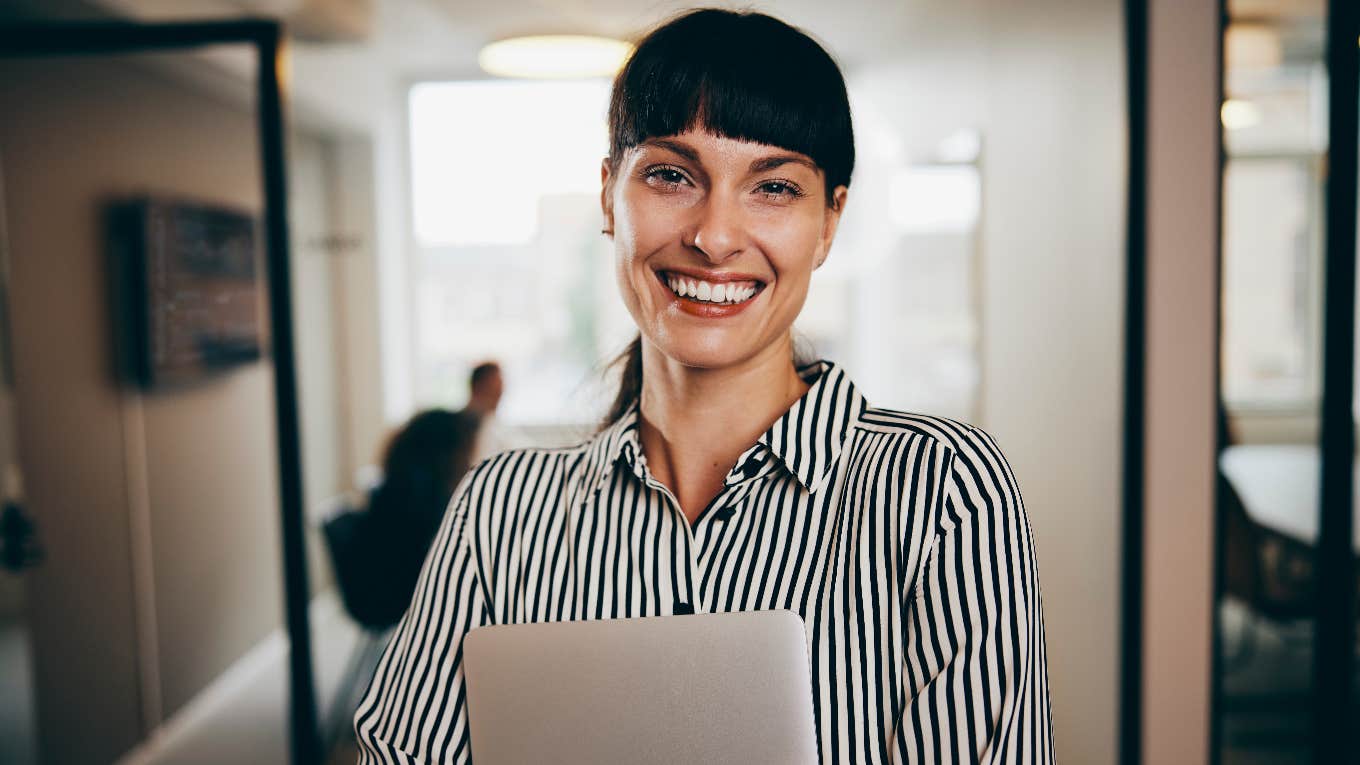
739, 75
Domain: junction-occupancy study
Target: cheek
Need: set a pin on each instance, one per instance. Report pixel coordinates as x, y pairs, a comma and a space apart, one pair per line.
642, 227
644, 221
635, 238
628, 244
793, 247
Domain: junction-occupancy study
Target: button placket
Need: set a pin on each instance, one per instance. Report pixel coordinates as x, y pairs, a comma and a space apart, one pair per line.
685, 602
731, 495
718, 521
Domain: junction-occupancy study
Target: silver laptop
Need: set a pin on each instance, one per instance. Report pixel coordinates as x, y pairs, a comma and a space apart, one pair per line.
710, 688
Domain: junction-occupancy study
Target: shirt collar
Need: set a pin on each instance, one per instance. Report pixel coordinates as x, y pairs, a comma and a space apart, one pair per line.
806, 440
618, 440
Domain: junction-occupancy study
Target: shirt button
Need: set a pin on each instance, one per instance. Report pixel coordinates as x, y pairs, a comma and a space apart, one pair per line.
725, 514
683, 609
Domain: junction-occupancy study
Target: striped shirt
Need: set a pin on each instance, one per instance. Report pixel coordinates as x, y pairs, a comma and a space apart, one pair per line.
899, 538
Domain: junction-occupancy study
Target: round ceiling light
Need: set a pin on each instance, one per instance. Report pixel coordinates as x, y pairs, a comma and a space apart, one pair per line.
542, 57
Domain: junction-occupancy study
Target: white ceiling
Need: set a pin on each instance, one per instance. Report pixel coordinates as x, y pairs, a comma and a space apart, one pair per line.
422, 37
440, 39
351, 82
427, 34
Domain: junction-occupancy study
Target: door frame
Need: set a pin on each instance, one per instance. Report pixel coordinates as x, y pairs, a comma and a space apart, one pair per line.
267, 39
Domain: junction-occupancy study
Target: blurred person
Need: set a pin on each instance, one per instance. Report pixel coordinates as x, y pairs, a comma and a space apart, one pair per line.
485, 387
422, 464
730, 474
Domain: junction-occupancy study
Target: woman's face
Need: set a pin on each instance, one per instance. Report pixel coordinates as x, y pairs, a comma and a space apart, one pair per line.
715, 241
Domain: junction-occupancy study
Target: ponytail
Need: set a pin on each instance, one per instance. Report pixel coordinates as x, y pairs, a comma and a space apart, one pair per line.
630, 377
630, 380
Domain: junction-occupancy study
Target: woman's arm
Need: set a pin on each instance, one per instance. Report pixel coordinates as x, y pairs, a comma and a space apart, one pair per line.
975, 671
415, 710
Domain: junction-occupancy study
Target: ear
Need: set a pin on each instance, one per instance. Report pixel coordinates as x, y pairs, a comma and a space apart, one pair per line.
607, 197
831, 219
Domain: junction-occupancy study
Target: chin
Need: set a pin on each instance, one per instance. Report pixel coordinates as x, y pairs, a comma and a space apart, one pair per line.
712, 349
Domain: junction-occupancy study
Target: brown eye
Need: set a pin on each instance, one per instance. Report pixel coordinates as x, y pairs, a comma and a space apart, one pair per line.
780, 189
664, 175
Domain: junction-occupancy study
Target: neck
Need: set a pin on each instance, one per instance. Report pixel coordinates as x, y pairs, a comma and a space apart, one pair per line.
695, 423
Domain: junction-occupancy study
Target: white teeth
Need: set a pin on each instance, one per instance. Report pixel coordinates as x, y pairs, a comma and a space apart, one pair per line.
723, 292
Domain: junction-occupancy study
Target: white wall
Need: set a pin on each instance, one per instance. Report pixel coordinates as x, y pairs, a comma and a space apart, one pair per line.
1053, 289
354, 300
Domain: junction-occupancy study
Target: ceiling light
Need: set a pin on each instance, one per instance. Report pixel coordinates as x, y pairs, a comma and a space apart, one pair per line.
1238, 114
542, 57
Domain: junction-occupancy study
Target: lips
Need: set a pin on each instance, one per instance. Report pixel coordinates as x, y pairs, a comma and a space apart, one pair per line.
710, 294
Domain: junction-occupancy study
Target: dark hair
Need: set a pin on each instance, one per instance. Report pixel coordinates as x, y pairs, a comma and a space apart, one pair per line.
483, 371
630, 379
738, 74
378, 553
432, 450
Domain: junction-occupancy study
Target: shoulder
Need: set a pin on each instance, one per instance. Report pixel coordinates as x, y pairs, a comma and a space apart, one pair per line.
517, 482
958, 437
511, 461
949, 434
487, 481
979, 479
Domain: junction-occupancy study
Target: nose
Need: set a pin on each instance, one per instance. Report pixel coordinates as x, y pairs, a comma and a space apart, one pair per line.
719, 232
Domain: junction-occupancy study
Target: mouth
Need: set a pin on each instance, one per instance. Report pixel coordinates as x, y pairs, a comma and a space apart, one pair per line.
715, 293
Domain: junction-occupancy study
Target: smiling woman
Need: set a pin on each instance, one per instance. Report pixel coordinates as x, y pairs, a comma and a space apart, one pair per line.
730, 477
697, 212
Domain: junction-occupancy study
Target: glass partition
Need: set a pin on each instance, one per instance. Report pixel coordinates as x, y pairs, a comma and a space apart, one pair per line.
1275, 119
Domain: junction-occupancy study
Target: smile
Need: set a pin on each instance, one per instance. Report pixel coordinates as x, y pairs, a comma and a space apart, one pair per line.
713, 293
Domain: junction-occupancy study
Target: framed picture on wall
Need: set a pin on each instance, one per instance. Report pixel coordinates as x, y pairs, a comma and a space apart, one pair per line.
187, 289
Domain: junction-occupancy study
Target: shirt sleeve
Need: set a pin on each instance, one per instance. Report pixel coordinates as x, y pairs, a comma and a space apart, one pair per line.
415, 709
975, 671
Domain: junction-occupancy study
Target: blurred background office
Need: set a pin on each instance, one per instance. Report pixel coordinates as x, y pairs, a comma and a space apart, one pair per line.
451, 293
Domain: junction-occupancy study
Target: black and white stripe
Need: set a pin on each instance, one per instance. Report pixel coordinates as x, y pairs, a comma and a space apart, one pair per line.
901, 539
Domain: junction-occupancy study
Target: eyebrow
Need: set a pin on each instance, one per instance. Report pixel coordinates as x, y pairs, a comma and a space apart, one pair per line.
678, 147
762, 165
766, 164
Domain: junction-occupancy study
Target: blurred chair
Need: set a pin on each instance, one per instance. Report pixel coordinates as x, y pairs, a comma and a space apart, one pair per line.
343, 527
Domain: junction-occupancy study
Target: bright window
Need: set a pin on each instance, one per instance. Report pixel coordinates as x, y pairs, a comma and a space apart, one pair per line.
1272, 233
509, 263
485, 154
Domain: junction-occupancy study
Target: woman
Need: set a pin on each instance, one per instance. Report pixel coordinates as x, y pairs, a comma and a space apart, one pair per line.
728, 478
422, 464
